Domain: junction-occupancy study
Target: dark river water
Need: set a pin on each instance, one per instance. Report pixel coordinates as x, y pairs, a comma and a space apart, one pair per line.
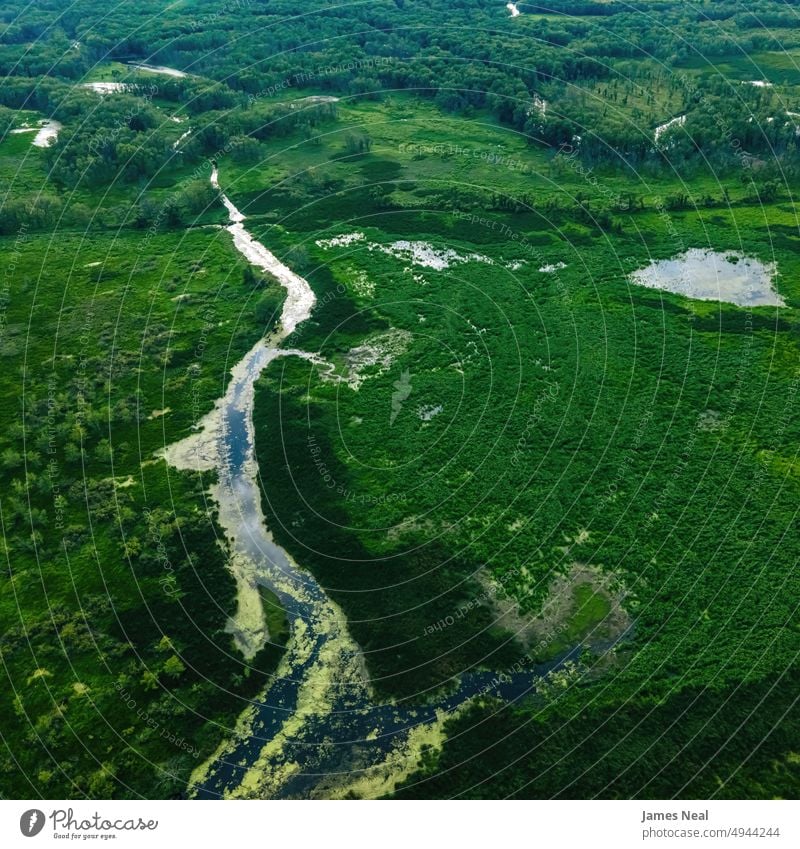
318, 727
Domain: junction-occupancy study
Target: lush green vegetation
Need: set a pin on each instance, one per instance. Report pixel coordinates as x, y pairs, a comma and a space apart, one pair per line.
650, 442
277, 624
493, 423
656, 365
698, 743
115, 596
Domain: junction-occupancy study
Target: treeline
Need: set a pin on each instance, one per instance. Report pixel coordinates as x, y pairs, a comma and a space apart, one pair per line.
254, 51
125, 138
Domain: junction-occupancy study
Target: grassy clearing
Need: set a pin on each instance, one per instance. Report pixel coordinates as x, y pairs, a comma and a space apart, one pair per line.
779, 67
590, 610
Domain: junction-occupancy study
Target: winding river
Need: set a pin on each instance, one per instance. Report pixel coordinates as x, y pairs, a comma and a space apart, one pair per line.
317, 730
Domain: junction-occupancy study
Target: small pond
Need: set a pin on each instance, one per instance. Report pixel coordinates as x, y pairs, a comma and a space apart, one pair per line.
713, 276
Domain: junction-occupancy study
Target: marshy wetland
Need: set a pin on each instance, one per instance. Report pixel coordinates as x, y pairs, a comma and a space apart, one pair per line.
366, 437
